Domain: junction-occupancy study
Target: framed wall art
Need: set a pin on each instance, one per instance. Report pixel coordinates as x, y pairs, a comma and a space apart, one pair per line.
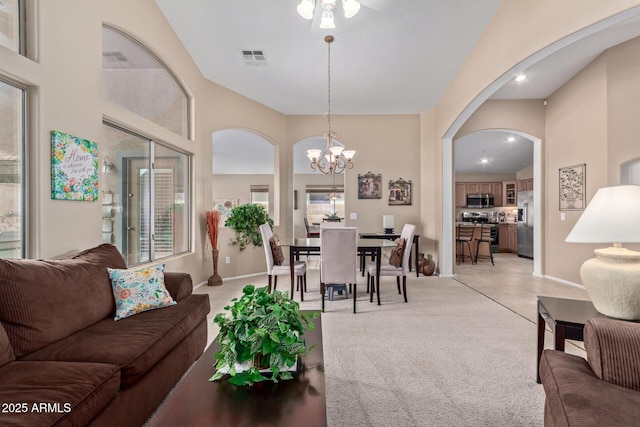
74, 168
224, 206
572, 187
370, 186
399, 192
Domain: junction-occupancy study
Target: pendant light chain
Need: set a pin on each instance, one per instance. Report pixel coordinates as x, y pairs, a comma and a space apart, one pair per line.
330, 135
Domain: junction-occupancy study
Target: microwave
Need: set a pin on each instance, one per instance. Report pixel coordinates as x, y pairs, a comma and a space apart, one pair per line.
479, 200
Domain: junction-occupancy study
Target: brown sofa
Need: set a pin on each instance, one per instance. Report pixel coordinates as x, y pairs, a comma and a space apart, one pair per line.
603, 390
64, 361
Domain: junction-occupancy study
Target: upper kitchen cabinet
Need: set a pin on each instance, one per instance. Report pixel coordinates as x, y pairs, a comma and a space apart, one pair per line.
510, 197
461, 195
525, 184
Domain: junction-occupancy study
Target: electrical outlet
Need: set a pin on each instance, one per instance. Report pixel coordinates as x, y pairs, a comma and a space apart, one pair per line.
562, 216
227, 260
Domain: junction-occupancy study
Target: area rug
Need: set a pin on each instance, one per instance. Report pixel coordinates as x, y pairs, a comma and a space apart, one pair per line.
448, 357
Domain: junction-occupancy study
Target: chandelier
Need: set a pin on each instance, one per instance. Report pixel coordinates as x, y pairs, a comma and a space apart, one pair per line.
334, 158
307, 7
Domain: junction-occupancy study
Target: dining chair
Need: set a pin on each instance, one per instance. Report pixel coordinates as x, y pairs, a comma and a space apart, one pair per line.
488, 235
280, 267
464, 237
386, 269
338, 260
309, 232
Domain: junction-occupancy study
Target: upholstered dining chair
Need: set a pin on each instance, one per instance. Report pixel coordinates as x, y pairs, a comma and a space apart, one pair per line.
386, 269
276, 265
338, 260
310, 233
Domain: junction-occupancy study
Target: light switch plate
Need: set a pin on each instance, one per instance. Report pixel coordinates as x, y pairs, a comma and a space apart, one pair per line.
354, 215
562, 216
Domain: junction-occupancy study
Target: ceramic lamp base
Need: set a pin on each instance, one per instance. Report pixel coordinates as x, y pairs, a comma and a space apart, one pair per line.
612, 280
388, 231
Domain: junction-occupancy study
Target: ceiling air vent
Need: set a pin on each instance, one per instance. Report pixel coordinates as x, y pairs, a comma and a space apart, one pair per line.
254, 57
116, 57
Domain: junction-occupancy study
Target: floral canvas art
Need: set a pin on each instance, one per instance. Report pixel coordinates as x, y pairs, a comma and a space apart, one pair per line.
74, 168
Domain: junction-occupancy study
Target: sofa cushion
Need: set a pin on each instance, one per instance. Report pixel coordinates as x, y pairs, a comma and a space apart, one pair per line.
104, 254
71, 393
47, 300
139, 290
6, 351
134, 344
613, 351
575, 396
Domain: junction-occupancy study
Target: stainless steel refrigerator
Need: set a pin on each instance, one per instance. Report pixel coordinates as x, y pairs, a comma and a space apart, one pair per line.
525, 224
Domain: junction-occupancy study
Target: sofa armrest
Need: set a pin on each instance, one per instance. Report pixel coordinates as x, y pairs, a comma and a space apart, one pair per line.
179, 285
613, 351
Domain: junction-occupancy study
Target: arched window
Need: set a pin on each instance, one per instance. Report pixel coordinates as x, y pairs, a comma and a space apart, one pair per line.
133, 77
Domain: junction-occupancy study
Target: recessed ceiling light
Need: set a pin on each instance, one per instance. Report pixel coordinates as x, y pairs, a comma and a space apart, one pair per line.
511, 139
520, 77
484, 160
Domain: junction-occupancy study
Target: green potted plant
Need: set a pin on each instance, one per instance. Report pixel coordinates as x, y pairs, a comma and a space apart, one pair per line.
261, 328
245, 220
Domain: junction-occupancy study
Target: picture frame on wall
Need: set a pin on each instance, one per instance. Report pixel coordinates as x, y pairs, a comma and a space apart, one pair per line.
370, 186
572, 187
400, 192
224, 206
74, 168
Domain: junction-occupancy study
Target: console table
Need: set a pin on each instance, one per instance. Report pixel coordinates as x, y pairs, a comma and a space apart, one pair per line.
195, 401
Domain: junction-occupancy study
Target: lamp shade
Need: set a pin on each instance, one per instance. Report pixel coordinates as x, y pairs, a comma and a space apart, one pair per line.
387, 221
612, 216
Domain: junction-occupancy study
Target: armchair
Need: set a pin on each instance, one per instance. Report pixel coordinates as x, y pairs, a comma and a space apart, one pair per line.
603, 390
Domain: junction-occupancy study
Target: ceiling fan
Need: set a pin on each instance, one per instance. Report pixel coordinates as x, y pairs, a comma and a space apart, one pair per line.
324, 13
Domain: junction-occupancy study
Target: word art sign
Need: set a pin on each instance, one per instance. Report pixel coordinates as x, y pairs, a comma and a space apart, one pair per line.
74, 168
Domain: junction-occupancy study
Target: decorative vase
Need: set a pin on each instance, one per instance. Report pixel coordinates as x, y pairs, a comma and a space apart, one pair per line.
215, 279
424, 266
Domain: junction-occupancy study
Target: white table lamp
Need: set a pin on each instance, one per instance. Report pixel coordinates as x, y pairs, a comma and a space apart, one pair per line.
612, 278
388, 223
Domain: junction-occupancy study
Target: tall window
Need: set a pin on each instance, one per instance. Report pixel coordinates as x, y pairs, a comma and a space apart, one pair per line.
12, 191
146, 196
136, 79
324, 202
260, 195
12, 28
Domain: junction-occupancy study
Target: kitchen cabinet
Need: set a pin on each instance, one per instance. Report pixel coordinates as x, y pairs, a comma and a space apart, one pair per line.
525, 184
464, 188
510, 197
461, 194
508, 237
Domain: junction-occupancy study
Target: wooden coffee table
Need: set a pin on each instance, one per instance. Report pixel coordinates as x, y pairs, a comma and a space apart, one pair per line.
195, 401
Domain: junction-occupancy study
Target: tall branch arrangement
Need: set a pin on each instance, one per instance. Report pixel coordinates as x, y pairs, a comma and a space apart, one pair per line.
213, 223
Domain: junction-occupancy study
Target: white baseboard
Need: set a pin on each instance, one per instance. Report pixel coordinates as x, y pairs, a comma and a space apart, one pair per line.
232, 278
564, 282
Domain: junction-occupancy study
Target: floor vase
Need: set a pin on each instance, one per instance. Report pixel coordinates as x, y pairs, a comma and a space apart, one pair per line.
215, 279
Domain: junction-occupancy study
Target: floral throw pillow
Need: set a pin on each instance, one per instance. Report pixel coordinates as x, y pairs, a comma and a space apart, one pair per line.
139, 290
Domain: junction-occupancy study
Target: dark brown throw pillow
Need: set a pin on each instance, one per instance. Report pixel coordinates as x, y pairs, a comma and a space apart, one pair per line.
276, 250
395, 258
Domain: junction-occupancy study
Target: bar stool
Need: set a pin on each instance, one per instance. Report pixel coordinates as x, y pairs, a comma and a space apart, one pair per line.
464, 236
488, 234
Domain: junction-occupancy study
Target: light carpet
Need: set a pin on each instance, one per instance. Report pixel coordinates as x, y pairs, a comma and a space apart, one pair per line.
448, 357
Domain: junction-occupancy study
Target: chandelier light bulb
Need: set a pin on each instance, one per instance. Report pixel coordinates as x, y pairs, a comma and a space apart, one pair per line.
306, 8
351, 7
327, 22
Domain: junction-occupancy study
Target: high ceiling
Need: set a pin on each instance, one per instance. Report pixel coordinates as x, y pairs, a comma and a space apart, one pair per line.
393, 57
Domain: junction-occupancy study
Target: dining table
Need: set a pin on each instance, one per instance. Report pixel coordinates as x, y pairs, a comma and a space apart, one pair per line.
311, 246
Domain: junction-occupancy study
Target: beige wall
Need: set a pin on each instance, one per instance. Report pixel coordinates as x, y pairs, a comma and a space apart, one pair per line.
388, 145
497, 57
65, 78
